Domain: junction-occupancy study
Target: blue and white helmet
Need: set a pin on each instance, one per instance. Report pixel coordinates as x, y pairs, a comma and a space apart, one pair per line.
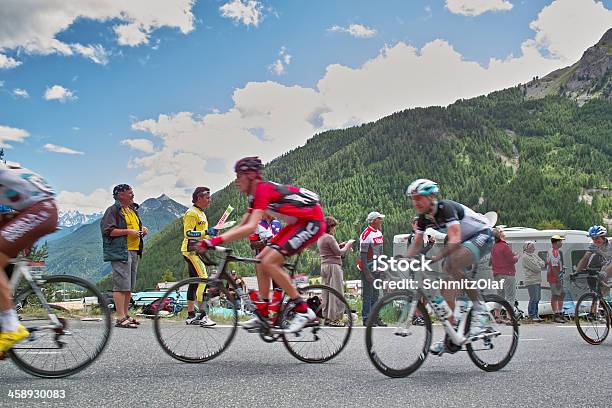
422, 187
597, 231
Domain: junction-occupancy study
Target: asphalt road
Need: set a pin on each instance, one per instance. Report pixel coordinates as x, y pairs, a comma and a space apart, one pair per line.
553, 366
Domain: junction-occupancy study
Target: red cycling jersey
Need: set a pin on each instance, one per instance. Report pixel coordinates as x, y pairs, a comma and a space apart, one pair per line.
298, 207
289, 203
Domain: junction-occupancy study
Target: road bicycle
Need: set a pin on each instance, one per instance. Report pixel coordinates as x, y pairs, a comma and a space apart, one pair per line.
317, 342
593, 314
400, 349
68, 319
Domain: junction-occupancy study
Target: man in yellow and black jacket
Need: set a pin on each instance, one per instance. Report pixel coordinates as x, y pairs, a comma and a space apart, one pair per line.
195, 226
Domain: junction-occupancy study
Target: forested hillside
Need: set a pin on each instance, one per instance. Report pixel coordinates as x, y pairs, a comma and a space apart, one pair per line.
545, 162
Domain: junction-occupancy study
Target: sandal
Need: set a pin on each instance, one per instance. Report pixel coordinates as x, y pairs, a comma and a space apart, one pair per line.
133, 321
125, 323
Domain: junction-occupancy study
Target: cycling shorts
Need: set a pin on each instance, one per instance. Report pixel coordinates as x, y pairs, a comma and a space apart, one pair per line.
479, 244
294, 238
31, 224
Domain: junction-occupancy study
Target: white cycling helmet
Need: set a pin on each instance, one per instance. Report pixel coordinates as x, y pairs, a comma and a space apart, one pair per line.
597, 231
422, 187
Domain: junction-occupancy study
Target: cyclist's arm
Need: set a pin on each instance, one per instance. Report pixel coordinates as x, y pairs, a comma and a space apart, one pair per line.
244, 219
583, 261
246, 227
416, 245
453, 232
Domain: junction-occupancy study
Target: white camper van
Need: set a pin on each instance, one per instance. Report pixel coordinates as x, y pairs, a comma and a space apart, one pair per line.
575, 245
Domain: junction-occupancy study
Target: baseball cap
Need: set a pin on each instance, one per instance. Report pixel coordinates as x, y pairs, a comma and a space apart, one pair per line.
197, 192
557, 237
374, 215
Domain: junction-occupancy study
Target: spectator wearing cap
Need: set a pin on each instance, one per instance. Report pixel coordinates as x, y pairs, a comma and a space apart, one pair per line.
195, 227
533, 266
331, 271
554, 265
370, 246
502, 263
122, 244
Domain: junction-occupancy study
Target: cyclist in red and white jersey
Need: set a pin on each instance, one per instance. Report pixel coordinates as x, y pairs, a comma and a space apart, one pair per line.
35, 215
302, 213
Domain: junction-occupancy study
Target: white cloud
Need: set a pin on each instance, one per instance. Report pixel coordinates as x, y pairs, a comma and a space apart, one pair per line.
144, 145
269, 119
477, 7
279, 67
557, 27
96, 201
8, 62
20, 93
96, 53
59, 93
9, 135
247, 12
33, 25
355, 30
60, 149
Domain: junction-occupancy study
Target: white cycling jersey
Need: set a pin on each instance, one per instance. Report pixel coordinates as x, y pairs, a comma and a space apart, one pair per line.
21, 188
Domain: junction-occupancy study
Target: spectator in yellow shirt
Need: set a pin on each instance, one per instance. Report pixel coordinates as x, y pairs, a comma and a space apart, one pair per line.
195, 226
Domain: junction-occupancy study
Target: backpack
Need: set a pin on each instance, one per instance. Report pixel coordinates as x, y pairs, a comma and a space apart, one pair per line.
160, 304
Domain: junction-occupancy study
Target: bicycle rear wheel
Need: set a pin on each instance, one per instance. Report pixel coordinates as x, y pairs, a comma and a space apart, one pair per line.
193, 343
494, 353
592, 318
86, 327
318, 342
399, 349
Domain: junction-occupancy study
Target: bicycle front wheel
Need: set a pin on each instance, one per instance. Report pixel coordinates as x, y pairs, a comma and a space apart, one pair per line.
400, 348
321, 340
592, 317
54, 352
494, 352
195, 343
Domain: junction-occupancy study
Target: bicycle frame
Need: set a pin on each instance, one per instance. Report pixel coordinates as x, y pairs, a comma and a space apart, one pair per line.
456, 335
222, 274
22, 270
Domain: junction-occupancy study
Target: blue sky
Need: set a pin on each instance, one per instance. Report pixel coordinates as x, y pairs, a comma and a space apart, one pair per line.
197, 87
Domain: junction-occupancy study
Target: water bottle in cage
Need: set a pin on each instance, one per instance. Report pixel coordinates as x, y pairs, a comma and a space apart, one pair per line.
275, 304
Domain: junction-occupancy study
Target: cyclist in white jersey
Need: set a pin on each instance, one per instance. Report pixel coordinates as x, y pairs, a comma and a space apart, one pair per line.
469, 238
34, 215
599, 254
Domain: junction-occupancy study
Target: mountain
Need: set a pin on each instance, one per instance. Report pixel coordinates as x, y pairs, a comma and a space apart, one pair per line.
73, 218
70, 221
589, 78
538, 162
80, 252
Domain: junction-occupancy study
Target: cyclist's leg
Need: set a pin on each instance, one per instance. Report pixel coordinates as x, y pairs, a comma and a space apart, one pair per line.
6, 302
292, 240
272, 268
21, 232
